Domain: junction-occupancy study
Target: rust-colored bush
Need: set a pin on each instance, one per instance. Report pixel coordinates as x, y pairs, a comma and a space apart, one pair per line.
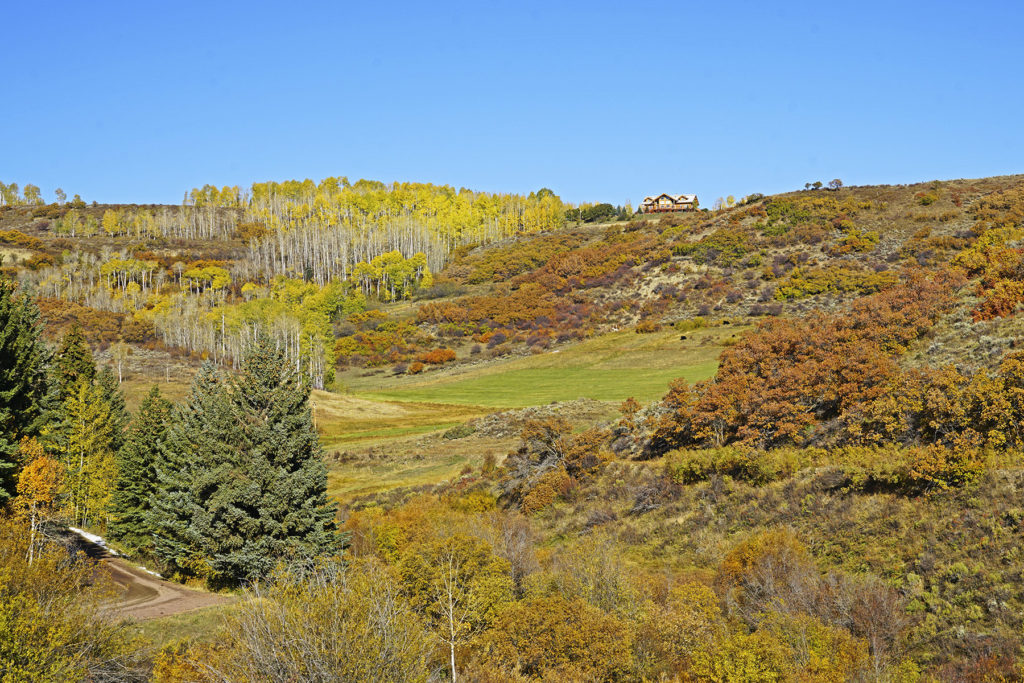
436, 357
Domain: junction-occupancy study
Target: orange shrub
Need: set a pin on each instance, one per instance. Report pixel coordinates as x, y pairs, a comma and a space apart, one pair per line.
98, 326
546, 491
437, 356
778, 384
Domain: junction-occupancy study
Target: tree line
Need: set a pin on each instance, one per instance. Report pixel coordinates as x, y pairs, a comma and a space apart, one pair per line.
219, 487
30, 195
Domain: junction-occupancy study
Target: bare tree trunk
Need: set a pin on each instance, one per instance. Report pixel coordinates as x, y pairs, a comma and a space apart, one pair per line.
32, 535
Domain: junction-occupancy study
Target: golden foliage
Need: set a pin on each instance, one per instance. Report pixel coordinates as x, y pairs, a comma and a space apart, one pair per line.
552, 638
52, 623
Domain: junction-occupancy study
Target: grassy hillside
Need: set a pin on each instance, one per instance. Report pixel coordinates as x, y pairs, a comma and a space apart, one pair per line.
844, 459
609, 367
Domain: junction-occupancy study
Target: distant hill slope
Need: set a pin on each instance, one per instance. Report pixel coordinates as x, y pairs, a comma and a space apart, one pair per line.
772, 257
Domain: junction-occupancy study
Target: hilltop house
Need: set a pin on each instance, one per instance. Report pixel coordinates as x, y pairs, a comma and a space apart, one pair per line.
669, 202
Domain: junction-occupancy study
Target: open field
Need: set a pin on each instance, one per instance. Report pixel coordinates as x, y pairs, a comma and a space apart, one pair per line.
136, 389
390, 426
393, 470
13, 255
343, 420
611, 367
200, 624
386, 432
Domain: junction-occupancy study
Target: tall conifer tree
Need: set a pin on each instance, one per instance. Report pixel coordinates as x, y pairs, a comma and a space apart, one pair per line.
23, 387
241, 479
194, 454
242, 483
73, 362
110, 390
282, 457
136, 477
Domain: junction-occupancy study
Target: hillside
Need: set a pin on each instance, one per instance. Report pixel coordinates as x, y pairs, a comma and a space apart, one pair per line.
790, 426
778, 256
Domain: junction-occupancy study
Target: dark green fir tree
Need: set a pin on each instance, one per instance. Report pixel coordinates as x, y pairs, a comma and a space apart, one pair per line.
192, 462
136, 479
73, 363
241, 480
110, 391
282, 461
23, 381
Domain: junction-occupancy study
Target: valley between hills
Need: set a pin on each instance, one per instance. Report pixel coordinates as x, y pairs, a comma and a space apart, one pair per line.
778, 440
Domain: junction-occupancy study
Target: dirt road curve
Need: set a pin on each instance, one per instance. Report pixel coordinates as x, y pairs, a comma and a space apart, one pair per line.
145, 596
148, 597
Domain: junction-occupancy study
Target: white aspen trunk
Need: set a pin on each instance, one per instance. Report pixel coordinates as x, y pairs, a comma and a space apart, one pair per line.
32, 535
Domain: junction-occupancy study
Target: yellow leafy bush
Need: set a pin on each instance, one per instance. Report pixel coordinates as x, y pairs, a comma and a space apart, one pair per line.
546, 491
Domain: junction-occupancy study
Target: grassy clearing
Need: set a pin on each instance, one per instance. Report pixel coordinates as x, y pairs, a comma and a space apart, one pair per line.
345, 420
10, 256
376, 476
200, 624
611, 367
136, 388
377, 466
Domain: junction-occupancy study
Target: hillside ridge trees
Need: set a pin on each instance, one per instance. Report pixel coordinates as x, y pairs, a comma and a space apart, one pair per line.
23, 385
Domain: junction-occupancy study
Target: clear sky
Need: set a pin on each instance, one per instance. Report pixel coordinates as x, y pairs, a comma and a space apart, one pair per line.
141, 101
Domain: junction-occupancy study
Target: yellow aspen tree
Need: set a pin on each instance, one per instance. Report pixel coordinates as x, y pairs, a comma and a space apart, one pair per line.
38, 485
111, 222
87, 454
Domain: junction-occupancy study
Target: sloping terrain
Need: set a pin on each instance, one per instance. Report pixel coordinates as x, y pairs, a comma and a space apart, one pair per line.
800, 413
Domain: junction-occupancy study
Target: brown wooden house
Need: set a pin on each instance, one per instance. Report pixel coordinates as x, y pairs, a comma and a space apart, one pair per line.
669, 202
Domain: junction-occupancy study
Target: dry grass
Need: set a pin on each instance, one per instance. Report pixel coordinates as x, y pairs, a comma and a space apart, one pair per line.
343, 420
201, 624
13, 255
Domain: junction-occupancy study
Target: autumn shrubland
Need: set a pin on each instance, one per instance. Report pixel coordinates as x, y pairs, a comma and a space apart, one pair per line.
778, 441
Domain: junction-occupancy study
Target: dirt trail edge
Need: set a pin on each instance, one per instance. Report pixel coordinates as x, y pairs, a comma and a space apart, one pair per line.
145, 596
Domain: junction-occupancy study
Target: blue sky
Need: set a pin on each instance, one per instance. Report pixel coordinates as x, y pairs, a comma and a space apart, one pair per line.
139, 101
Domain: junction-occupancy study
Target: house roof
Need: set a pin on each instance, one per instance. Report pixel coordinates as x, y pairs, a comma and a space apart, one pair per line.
677, 198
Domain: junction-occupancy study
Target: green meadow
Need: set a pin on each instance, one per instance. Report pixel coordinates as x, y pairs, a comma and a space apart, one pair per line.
611, 367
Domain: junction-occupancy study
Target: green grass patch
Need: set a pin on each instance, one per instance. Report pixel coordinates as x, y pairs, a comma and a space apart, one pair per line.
533, 386
343, 420
612, 367
201, 624
371, 433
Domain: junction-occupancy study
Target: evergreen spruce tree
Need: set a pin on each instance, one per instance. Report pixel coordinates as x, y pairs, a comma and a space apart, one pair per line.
282, 461
110, 390
136, 477
73, 362
192, 461
23, 382
241, 480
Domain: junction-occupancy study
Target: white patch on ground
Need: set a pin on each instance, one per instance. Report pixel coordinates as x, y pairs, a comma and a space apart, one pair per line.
101, 542
93, 538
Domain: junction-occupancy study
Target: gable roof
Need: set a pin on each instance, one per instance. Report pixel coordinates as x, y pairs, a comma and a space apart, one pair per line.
677, 198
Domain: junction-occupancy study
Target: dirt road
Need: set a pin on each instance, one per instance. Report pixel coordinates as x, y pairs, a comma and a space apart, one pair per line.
143, 595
